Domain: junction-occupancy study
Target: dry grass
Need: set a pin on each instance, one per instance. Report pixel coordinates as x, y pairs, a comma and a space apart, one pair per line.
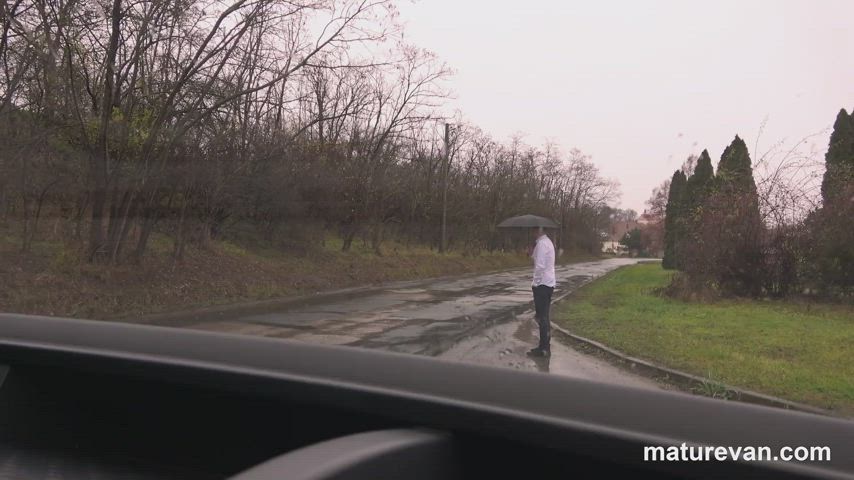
52, 280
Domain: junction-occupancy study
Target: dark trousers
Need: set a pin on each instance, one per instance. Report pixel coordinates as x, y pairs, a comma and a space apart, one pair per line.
542, 304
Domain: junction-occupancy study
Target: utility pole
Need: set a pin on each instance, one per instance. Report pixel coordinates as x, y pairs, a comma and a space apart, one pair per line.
444, 242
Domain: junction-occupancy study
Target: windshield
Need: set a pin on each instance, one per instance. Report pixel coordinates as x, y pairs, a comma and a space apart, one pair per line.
653, 194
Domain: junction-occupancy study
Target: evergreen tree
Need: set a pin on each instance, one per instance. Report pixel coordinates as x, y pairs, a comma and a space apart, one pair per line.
738, 254
734, 170
839, 160
632, 240
701, 181
673, 219
831, 247
698, 187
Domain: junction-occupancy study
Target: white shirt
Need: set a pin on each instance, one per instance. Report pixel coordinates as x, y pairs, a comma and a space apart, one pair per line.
544, 262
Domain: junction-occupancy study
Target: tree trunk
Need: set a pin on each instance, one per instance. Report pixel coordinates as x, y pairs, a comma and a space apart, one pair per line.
127, 222
96, 232
26, 201
150, 214
25, 224
180, 236
376, 237
144, 232
39, 205
350, 231
205, 234
4, 210
79, 215
120, 222
99, 160
118, 210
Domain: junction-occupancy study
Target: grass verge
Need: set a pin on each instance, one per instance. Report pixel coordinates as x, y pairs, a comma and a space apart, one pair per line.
52, 280
797, 351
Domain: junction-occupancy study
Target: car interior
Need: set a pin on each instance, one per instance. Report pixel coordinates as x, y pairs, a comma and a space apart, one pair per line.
91, 400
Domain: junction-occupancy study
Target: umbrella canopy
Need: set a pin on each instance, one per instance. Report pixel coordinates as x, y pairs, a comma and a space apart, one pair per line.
527, 221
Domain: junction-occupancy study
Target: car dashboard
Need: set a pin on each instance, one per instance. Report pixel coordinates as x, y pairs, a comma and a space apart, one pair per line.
98, 400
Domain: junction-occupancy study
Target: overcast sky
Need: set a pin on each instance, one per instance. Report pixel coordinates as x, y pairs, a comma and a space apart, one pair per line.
640, 85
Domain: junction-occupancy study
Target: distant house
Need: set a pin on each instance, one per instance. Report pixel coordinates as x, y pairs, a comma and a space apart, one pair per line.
615, 233
614, 248
620, 229
647, 219
652, 234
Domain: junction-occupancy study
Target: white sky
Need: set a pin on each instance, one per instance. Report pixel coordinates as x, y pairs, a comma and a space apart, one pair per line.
640, 85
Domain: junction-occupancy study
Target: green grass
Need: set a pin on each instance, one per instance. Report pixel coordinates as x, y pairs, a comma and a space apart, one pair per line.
801, 352
160, 244
233, 249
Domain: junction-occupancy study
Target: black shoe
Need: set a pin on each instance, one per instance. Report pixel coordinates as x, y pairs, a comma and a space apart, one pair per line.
539, 352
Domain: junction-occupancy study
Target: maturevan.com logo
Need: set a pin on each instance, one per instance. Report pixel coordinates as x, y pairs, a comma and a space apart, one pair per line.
706, 453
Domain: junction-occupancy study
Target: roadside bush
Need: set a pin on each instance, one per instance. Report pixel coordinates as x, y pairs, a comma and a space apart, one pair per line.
828, 266
719, 228
725, 247
783, 260
716, 236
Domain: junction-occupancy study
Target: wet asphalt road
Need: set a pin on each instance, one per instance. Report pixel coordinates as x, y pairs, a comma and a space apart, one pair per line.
480, 319
506, 345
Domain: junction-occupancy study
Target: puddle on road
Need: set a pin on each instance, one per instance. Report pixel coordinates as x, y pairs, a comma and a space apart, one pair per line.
525, 332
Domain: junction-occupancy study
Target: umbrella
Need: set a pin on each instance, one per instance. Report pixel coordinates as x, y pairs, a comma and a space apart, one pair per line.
527, 221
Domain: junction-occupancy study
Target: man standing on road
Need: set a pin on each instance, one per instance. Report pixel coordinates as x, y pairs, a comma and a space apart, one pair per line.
543, 285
